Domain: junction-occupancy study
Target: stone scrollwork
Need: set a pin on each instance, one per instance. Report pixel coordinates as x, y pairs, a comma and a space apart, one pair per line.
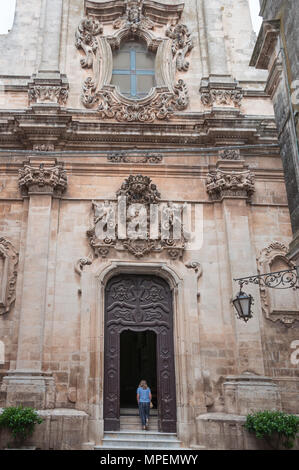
229, 154
182, 44
141, 194
125, 157
42, 179
86, 34
278, 305
8, 274
52, 94
222, 184
137, 19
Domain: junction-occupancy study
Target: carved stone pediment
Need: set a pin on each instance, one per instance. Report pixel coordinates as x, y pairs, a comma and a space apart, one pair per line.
222, 184
131, 20
42, 179
279, 304
8, 274
137, 222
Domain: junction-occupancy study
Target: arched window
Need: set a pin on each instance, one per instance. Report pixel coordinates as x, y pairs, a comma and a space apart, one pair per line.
134, 70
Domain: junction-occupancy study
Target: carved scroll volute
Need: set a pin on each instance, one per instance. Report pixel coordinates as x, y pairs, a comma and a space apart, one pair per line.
8, 274
165, 66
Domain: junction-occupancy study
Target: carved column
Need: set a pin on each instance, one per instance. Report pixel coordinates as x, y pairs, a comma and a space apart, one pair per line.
41, 181
49, 86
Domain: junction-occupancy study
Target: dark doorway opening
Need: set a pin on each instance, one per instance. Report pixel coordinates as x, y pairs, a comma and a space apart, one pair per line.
138, 360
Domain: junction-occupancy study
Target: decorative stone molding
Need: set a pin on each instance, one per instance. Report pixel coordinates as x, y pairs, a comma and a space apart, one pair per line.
125, 157
229, 154
81, 263
138, 190
197, 268
288, 311
138, 19
8, 274
182, 45
220, 92
44, 147
265, 44
42, 180
43, 90
222, 184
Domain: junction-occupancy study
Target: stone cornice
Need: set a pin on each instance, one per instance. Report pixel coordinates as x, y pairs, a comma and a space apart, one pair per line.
265, 44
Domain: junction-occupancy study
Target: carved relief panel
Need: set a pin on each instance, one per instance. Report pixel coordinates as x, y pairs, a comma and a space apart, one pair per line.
8, 274
106, 29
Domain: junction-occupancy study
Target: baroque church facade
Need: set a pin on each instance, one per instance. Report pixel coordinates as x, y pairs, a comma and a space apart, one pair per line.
140, 175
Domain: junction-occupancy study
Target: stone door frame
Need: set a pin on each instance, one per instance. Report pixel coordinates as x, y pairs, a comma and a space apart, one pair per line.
184, 287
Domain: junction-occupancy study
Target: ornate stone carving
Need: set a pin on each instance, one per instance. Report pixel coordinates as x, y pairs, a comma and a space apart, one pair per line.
140, 191
48, 93
97, 91
86, 34
222, 97
125, 157
197, 268
229, 154
8, 274
133, 18
44, 147
222, 184
42, 179
161, 106
182, 44
81, 263
286, 310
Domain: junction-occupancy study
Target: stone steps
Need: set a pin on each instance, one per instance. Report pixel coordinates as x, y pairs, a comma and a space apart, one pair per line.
133, 440
130, 420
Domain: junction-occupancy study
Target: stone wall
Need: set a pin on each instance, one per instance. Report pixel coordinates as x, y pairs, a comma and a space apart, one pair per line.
60, 430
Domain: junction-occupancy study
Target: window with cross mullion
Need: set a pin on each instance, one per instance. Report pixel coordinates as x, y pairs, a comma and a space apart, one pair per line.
134, 70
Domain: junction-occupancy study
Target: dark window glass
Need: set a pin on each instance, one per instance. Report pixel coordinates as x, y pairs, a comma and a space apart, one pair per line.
134, 70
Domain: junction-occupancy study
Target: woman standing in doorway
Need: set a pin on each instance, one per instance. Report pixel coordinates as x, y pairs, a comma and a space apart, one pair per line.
144, 397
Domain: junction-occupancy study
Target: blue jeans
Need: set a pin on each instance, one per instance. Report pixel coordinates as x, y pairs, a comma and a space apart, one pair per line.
144, 411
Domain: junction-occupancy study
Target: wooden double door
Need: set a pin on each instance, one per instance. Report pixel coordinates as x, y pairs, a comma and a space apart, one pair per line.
139, 303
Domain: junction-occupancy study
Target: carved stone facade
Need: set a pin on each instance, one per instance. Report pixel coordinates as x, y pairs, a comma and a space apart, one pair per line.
109, 205
97, 92
138, 207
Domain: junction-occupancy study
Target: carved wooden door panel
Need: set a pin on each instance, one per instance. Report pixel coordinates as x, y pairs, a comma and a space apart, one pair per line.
139, 303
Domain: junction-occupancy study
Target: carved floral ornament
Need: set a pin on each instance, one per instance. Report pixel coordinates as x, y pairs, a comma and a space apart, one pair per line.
42, 179
222, 184
142, 224
8, 274
136, 19
278, 305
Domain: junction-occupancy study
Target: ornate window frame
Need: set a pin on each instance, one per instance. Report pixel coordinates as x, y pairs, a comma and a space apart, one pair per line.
134, 19
275, 250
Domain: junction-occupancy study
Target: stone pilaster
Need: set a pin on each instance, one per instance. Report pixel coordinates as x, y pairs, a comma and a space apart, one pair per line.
49, 86
215, 38
231, 184
40, 181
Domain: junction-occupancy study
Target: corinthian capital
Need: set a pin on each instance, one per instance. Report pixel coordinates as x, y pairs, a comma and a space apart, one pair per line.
42, 179
222, 184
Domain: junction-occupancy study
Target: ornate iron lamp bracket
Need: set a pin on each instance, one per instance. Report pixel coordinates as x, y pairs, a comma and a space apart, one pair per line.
287, 279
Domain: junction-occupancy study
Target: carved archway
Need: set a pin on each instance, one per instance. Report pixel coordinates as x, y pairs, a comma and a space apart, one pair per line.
139, 303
